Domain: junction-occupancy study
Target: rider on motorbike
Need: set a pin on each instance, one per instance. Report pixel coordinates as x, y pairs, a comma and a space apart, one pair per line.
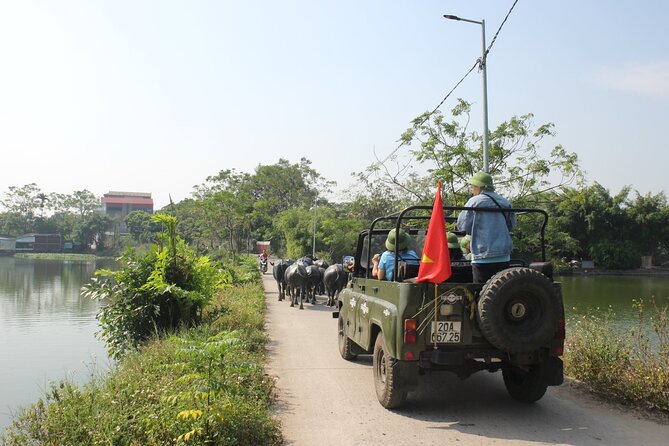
263, 260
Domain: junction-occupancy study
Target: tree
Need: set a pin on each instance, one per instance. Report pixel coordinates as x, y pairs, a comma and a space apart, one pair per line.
22, 202
297, 228
650, 214
141, 227
448, 152
92, 231
82, 202
600, 224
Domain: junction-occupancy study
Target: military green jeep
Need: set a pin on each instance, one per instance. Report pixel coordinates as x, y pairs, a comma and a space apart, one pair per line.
513, 323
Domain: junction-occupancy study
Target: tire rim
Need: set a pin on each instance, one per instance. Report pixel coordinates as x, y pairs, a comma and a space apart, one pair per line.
518, 310
381, 361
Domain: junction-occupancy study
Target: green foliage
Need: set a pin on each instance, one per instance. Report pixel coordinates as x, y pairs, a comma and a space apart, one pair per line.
204, 386
448, 152
615, 254
297, 228
158, 291
141, 227
630, 368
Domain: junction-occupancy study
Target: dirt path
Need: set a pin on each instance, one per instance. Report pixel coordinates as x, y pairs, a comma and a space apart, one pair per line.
325, 400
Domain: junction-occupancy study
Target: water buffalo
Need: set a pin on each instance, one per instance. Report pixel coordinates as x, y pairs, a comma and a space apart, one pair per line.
278, 271
322, 266
296, 281
335, 279
314, 280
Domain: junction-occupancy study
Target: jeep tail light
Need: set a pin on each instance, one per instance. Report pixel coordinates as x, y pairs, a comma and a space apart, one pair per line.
410, 336
559, 336
560, 332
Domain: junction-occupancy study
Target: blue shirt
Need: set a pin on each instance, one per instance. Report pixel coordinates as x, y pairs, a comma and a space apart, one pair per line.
491, 241
387, 261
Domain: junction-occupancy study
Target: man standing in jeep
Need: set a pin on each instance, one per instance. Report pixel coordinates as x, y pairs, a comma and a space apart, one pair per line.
490, 240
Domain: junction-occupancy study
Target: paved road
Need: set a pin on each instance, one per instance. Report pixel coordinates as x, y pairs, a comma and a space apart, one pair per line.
325, 400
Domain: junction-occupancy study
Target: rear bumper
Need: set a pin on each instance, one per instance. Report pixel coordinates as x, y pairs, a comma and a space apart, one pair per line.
467, 362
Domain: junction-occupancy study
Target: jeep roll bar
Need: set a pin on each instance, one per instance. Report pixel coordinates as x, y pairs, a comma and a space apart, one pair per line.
405, 215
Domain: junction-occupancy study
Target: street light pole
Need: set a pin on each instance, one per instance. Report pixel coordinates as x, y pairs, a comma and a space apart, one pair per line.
483, 65
313, 252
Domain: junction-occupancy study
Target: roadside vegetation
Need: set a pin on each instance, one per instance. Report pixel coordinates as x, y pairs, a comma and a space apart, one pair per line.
631, 368
193, 378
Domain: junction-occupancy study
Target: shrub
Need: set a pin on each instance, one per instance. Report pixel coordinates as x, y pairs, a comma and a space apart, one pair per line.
631, 369
155, 292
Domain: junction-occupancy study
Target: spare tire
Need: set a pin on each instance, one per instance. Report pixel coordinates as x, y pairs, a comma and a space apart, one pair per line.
518, 310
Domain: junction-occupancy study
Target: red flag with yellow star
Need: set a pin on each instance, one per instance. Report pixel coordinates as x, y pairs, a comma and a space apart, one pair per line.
435, 264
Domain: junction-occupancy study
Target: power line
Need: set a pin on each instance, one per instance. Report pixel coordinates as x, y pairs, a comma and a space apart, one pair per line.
492, 42
478, 63
432, 112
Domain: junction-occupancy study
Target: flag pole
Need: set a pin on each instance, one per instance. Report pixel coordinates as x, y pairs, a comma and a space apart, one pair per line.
436, 328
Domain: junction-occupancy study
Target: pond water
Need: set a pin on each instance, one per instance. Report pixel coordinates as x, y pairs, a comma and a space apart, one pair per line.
596, 295
47, 330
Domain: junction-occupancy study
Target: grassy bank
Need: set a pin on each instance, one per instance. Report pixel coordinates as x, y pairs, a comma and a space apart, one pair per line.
202, 386
632, 370
55, 256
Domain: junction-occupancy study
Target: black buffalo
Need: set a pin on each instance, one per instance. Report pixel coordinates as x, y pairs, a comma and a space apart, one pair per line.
335, 279
322, 266
296, 282
279, 271
314, 281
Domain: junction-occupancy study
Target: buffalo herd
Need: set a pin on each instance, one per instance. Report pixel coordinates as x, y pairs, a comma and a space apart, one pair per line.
304, 278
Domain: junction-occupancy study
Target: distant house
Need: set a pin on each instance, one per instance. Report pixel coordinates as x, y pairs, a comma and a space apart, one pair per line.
261, 245
7, 244
118, 205
39, 243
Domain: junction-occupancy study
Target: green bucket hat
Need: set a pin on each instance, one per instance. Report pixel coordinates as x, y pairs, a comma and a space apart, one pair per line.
402, 241
483, 180
464, 243
452, 240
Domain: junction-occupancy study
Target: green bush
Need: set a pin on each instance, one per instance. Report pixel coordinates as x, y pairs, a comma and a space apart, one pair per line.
630, 369
154, 292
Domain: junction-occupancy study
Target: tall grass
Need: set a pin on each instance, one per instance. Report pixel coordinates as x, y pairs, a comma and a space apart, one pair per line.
631, 369
201, 386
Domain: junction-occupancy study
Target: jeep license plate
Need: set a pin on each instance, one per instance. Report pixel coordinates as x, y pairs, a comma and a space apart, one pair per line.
448, 332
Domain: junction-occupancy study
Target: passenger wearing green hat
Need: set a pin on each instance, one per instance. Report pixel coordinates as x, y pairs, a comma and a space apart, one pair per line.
383, 266
464, 246
454, 251
490, 239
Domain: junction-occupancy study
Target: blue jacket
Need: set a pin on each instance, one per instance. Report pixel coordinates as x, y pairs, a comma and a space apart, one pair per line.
490, 235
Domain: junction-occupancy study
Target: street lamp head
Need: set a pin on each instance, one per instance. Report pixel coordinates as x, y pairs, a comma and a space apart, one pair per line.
451, 17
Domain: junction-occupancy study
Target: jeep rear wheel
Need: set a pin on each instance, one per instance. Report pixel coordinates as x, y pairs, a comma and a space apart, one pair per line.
385, 376
526, 387
518, 310
345, 343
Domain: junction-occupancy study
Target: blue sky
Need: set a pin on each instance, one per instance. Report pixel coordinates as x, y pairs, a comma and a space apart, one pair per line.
155, 96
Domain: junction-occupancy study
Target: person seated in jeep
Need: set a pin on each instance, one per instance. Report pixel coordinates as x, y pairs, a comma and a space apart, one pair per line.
454, 251
384, 264
491, 242
464, 246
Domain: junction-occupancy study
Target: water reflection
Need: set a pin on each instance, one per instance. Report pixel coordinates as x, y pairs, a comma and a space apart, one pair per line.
599, 295
47, 328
